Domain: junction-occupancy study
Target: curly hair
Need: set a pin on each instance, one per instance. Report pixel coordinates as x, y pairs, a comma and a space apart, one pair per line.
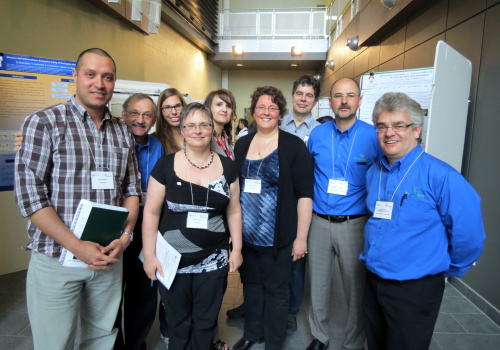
275, 94
308, 80
163, 129
226, 96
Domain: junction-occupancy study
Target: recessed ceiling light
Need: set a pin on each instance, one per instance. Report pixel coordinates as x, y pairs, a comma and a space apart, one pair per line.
239, 64
294, 65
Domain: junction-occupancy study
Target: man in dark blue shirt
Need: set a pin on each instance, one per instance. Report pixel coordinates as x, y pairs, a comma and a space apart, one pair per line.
425, 224
139, 297
342, 151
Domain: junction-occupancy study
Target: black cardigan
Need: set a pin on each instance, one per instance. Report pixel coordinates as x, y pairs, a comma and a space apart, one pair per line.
295, 181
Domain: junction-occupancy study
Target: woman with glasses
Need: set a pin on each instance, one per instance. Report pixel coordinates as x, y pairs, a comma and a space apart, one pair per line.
276, 177
223, 107
169, 107
193, 200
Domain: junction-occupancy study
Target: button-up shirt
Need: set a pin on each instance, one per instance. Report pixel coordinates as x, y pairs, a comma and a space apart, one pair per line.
303, 130
436, 224
60, 149
352, 151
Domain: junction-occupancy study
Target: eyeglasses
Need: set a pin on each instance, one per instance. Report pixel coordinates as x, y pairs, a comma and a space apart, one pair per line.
395, 128
135, 115
350, 96
168, 109
192, 127
270, 109
301, 94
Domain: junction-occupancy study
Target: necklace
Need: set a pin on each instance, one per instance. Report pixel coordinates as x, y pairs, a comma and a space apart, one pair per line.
200, 167
259, 152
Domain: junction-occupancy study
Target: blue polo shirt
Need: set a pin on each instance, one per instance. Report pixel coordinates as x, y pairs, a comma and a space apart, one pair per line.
147, 156
360, 141
436, 223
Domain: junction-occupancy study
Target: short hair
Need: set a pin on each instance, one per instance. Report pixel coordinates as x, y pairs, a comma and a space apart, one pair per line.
244, 122
399, 102
308, 80
324, 119
228, 97
96, 51
163, 129
354, 81
276, 96
139, 96
193, 107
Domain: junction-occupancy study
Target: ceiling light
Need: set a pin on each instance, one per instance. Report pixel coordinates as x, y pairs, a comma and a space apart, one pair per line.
294, 65
238, 50
239, 64
296, 51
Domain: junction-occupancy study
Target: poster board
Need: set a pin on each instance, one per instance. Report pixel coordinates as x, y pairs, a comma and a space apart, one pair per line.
442, 91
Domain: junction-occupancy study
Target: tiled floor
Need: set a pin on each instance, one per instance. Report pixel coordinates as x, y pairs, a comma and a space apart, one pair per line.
460, 326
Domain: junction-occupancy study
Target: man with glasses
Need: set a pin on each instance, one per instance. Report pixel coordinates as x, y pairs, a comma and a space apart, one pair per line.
342, 151
139, 301
425, 224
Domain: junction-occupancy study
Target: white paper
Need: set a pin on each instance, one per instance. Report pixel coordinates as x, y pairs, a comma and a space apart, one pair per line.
169, 259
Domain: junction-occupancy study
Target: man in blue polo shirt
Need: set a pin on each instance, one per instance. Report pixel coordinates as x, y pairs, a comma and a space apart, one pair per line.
342, 151
139, 297
425, 224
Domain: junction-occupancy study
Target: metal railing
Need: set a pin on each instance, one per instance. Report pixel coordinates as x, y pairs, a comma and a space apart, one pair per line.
306, 23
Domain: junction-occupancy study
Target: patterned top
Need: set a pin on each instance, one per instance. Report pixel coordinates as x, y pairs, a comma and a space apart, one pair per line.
202, 250
258, 210
60, 149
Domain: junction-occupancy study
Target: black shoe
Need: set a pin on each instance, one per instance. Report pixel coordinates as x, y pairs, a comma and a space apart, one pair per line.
237, 312
317, 345
244, 344
291, 325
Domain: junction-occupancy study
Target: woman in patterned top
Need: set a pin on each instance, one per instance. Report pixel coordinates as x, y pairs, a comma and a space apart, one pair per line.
193, 200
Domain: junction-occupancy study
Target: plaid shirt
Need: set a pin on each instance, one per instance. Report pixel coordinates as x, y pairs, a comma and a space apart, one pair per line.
61, 147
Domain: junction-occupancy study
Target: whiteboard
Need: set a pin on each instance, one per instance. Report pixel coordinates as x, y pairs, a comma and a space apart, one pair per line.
447, 119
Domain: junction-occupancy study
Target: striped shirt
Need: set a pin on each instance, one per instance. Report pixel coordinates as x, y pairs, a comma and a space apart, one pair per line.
60, 149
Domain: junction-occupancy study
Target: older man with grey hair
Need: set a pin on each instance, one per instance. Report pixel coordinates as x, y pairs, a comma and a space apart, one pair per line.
425, 224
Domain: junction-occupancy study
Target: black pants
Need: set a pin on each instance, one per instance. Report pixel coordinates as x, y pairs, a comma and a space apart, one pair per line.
265, 279
139, 300
192, 306
401, 315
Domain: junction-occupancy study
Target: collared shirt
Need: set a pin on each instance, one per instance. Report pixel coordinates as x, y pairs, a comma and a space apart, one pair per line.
436, 223
61, 147
303, 130
354, 151
147, 156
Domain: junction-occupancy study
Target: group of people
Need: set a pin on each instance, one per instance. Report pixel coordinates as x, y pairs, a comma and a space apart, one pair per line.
365, 196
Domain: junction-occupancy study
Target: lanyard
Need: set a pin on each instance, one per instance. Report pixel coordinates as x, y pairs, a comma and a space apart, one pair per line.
224, 146
88, 143
380, 178
191, 186
262, 160
349, 157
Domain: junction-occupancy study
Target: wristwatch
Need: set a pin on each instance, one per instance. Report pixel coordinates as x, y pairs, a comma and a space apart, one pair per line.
130, 233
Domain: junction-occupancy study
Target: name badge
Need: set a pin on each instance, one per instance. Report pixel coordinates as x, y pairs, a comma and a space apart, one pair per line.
197, 220
253, 185
337, 187
102, 180
383, 210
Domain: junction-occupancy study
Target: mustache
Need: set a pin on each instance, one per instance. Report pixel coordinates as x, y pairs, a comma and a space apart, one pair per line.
141, 125
345, 106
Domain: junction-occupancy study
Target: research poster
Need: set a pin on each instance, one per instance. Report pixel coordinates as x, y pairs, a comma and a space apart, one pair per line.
27, 84
416, 83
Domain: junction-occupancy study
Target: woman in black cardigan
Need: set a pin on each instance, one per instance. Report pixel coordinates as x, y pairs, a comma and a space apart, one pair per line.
276, 177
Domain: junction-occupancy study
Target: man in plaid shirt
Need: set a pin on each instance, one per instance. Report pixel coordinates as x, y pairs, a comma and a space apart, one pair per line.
71, 151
